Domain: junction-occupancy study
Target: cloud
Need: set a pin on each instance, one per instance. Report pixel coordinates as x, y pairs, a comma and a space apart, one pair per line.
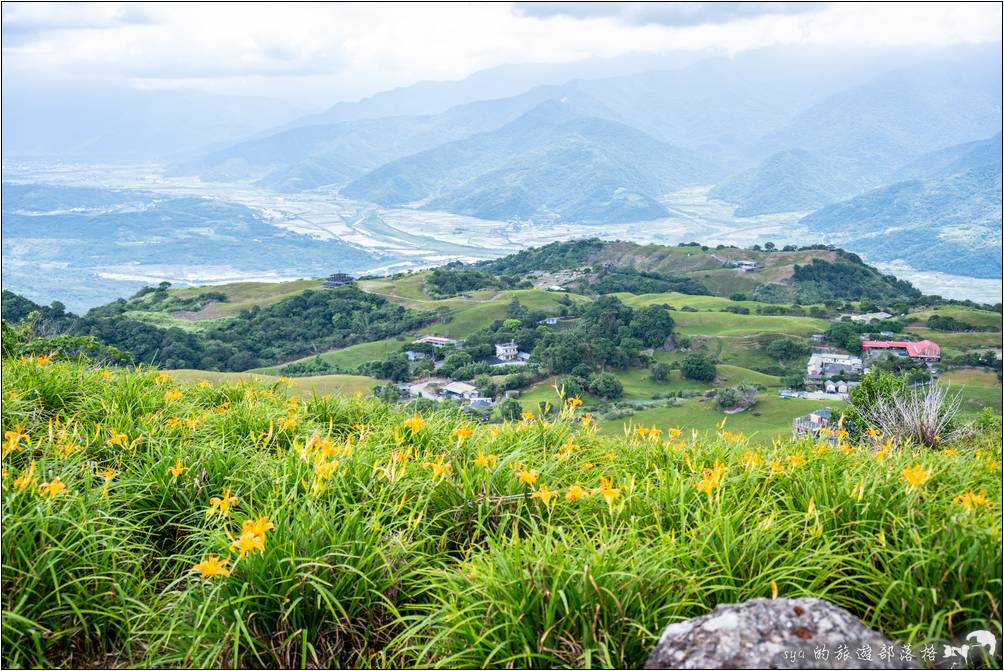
320, 53
665, 13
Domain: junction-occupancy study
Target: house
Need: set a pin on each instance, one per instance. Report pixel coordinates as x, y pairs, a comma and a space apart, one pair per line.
459, 391
828, 364
746, 265
923, 350
507, 351
436, 341
556, 287
817, 338
813, 424
479, 402
550, 321
414, 356
868, 317
338, 280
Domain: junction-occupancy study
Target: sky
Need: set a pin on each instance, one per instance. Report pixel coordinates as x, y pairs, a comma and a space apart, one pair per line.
316, 54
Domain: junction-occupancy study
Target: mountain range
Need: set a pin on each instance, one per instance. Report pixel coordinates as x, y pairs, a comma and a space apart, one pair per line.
862, 150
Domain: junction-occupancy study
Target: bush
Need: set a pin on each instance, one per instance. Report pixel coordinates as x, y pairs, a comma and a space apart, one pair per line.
659, 371
698, 367
741, 397
605, 385
784, 349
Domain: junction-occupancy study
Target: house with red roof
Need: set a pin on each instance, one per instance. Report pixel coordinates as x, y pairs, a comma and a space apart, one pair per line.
925, 350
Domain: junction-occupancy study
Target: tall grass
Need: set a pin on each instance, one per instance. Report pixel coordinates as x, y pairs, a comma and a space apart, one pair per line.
410, 543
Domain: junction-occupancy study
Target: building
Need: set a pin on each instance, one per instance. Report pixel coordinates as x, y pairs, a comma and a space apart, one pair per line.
414, 356
923, 350
507, 351
813, 424
556, 287
828, 364
817, 338
868, 317
549, 321
460, 391
480, 402
746, 266
435, 341
338, 280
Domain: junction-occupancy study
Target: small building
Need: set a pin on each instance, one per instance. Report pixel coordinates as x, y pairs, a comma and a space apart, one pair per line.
868, 317
549, 321
923, 350
338, 280
813, 425
556, 287
436, 341
746, 265
828, 364
507, 351
480, 402
460, 391
817, 339
414, 356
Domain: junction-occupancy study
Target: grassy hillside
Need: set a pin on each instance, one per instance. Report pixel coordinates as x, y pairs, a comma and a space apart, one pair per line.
155, 522
316, 385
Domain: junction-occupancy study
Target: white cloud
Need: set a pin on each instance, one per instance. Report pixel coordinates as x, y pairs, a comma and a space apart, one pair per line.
326, 52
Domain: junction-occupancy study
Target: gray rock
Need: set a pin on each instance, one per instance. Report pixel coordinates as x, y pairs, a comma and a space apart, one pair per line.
775, 634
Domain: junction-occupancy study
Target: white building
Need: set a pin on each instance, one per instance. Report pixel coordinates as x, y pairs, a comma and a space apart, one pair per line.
507, 351
555, 287
868, 317
460, 391
825, 364
550, 321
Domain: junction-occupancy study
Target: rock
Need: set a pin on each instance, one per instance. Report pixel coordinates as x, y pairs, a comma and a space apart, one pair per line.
801, 633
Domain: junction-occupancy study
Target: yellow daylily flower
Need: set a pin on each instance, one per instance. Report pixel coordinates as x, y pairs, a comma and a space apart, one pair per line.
211, 566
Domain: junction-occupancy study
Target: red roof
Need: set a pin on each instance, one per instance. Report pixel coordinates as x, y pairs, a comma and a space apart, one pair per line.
923, 349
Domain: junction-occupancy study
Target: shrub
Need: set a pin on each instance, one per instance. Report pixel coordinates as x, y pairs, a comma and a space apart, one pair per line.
698, 367
741, 397
605, 385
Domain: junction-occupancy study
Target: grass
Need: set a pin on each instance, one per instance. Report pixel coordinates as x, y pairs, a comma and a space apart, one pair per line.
349, 358
967, 315
316, 384
242, 295
728, 324
383, 541
770, 418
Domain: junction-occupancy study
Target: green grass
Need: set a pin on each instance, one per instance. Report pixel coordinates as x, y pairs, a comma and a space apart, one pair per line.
381, 556
350, 358
728, 324
967, 315
979, 388
959, 342
316, 384
769, 418
242, 295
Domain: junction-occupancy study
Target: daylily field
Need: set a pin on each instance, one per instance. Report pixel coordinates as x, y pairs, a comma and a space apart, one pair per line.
150, 522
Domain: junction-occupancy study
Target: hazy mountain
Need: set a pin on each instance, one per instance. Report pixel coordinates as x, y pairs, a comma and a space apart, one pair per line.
126, 124
332, 154
949, 221
788, 181
551, 162
952, 160
868, 132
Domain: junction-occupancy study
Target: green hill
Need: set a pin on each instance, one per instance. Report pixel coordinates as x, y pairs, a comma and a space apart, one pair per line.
789, 181
550, 163
948, 222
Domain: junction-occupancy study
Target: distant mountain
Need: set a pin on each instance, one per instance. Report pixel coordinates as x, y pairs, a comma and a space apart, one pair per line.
788, 181
333, 154
949, 221
90, 124
870, 131
549, 163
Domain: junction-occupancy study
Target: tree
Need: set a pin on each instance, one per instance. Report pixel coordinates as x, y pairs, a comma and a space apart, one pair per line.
510, 409
741, 397
784, 349
698, 367
652, 325
605, 385
844, 334
572, 386
659, 371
